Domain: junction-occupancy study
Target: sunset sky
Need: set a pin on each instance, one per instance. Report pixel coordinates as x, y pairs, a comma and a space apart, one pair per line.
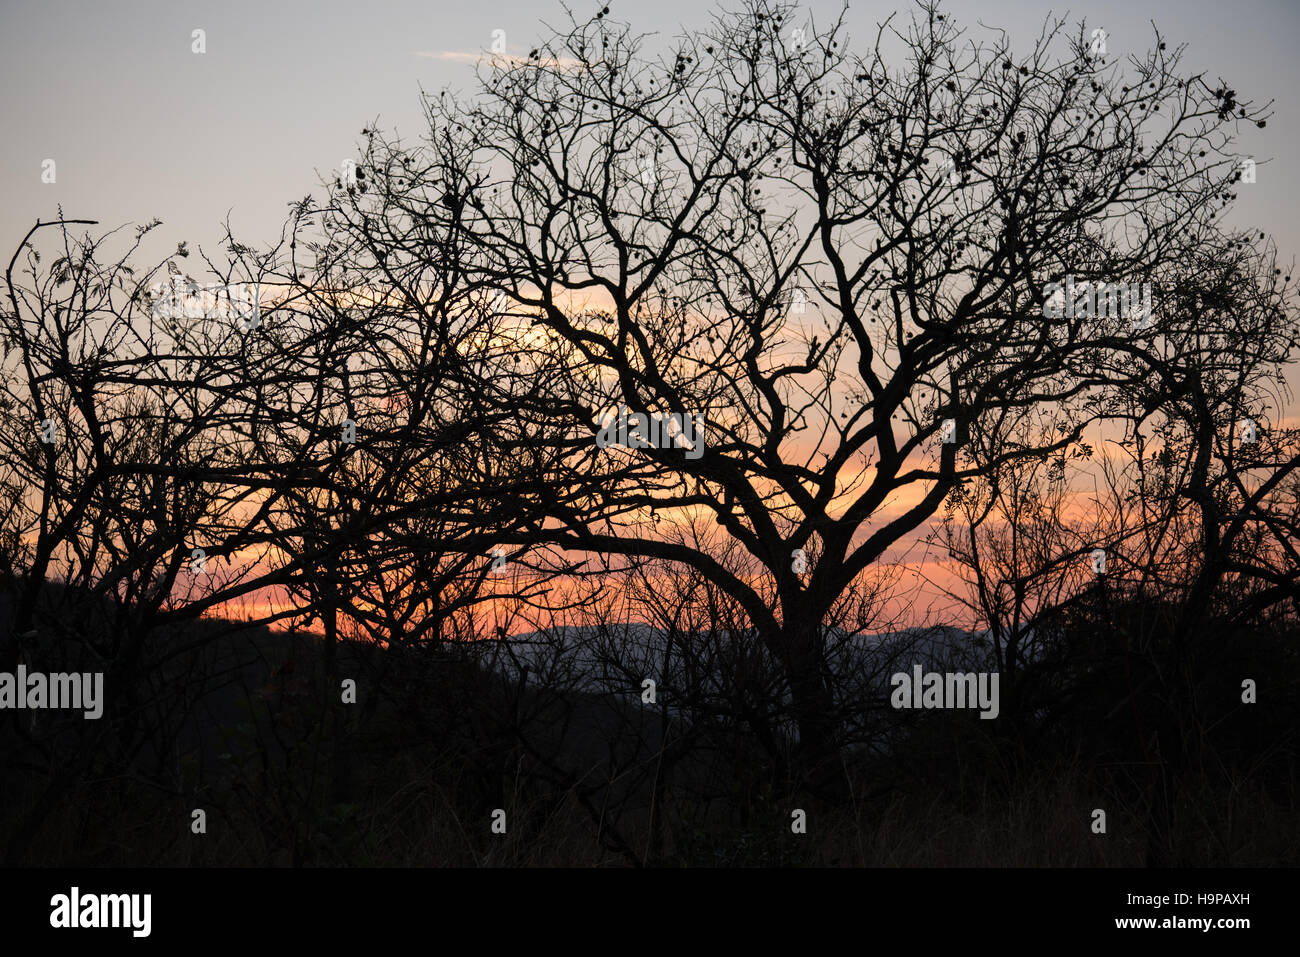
140, 126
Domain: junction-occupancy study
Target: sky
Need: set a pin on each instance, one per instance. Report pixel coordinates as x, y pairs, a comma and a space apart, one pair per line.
141, 126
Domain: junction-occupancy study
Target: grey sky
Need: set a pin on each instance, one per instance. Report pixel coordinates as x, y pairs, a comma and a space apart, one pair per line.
140, 126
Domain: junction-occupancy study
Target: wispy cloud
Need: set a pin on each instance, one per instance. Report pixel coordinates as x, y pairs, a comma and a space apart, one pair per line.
500, 59
457, 56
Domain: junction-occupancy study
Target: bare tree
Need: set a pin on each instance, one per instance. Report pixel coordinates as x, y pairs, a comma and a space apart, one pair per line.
836, 261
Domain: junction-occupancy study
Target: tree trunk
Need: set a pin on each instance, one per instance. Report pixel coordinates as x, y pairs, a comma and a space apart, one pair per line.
817, 758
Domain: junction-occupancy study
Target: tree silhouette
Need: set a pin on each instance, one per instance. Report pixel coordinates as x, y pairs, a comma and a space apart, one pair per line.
838, 260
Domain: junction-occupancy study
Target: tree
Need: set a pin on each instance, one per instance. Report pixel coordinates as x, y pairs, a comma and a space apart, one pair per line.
174, 447
840, 262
